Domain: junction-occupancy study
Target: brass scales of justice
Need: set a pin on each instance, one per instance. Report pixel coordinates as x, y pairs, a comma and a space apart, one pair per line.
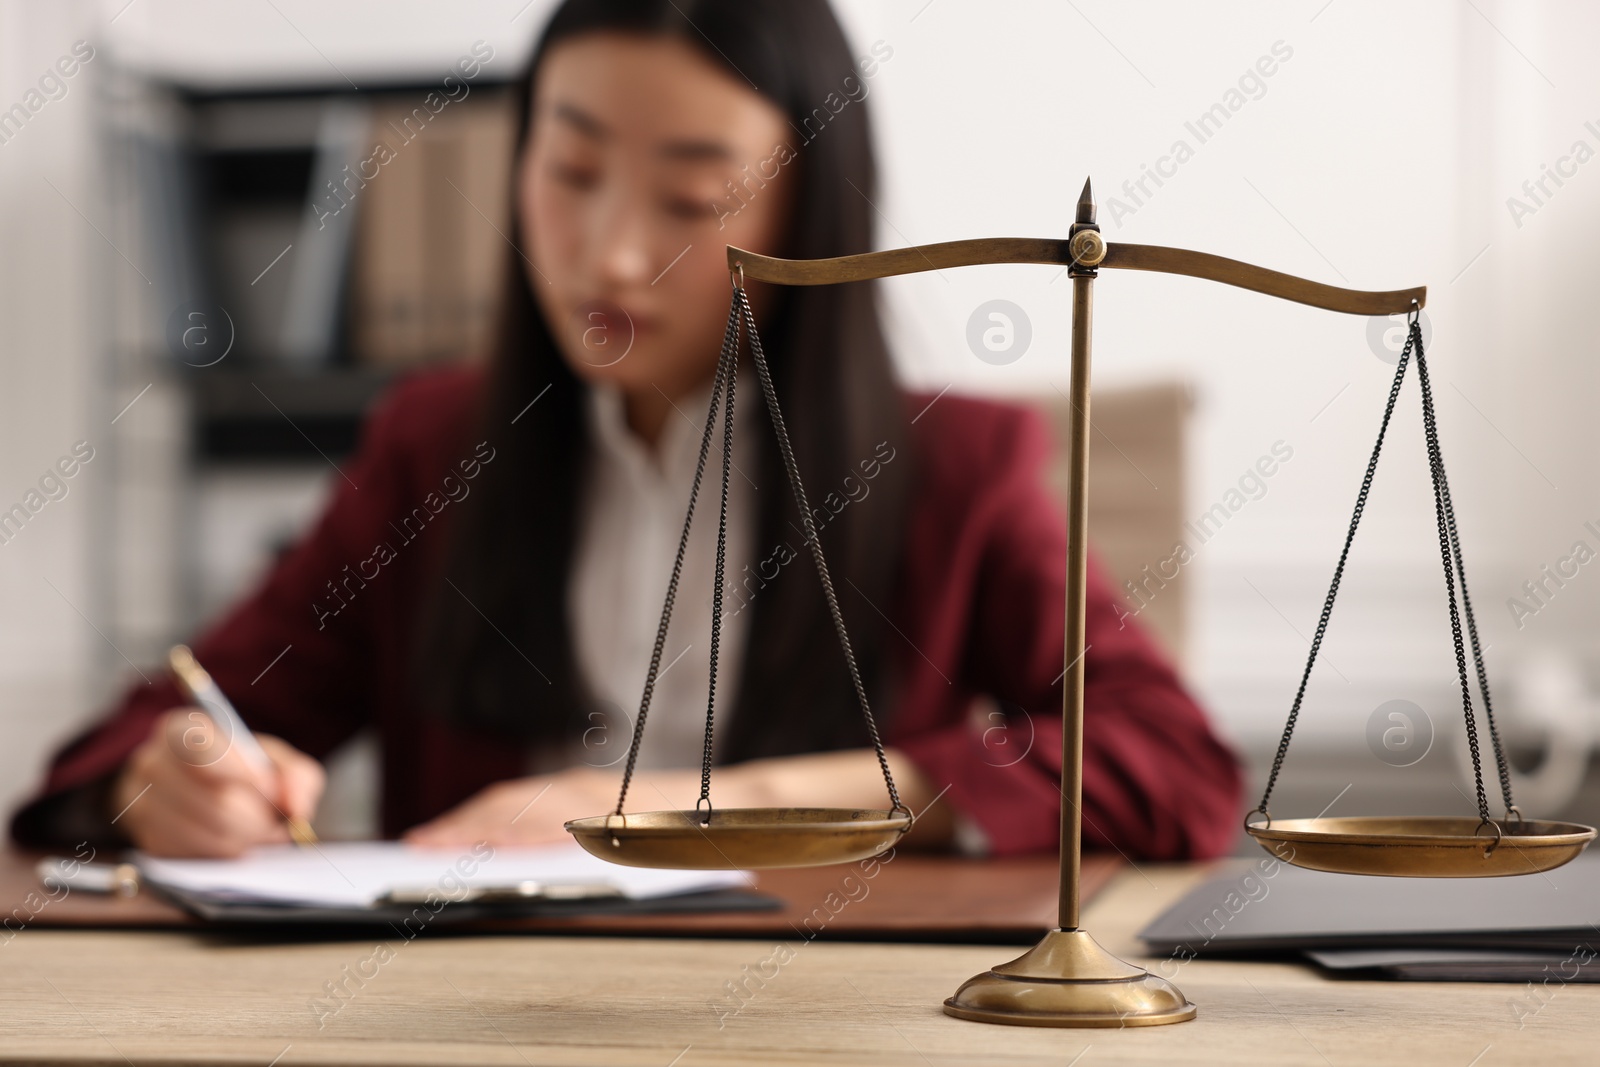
1067, 979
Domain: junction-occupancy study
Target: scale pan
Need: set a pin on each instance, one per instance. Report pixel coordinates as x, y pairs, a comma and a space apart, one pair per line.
740, 838
1416, 846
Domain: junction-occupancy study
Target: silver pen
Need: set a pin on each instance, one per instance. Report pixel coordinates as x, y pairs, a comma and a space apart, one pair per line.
200, 688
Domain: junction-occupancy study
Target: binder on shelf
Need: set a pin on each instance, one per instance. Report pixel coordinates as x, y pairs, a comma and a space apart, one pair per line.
431, 247
318, 262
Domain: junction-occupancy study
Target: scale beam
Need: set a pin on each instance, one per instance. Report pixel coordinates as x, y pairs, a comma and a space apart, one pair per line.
1158, 258
1261, 280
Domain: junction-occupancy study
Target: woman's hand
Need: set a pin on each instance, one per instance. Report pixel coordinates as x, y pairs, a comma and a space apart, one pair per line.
185, 791
533, 811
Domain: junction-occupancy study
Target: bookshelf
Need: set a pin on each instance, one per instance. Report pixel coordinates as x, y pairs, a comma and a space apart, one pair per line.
290, 271
332, 240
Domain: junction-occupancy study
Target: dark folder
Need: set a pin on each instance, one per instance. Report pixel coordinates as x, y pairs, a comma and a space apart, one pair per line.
1429, 928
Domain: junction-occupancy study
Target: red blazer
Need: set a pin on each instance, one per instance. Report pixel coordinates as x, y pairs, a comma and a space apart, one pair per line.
980, 603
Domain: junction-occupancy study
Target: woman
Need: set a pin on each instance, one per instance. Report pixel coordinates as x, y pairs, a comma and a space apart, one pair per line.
484, 587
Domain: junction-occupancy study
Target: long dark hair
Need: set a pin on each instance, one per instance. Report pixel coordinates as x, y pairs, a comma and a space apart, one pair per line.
510, 550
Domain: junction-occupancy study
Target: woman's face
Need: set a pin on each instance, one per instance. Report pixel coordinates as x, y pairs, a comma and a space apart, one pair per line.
626, 208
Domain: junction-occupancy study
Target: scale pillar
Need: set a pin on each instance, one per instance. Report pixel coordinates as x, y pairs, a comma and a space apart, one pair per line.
1087, 249
1067, 979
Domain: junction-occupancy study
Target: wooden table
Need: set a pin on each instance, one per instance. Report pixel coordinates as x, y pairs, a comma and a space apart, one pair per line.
182, 996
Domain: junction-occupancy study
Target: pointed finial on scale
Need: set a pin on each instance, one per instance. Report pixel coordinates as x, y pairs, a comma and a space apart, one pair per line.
1085, 247
1086, 203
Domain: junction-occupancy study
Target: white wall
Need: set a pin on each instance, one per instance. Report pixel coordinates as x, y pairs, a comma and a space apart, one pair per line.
51, 259
1379, 155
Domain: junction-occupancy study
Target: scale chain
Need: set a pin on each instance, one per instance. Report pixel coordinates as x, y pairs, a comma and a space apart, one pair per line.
1450, 547
784, 448
739, 313
730, 375
730, 341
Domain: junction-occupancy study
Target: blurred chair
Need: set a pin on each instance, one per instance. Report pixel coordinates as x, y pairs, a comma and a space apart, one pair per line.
1136, 496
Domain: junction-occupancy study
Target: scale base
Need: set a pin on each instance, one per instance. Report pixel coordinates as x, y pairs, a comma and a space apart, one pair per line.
1067, 979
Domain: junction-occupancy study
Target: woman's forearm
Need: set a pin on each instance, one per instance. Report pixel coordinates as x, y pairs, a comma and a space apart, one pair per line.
847, 779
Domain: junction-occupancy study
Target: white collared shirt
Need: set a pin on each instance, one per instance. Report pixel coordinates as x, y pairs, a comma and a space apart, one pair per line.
629, 521
630, 518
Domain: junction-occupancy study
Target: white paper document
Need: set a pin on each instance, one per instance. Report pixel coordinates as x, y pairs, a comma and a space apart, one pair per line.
360, 873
